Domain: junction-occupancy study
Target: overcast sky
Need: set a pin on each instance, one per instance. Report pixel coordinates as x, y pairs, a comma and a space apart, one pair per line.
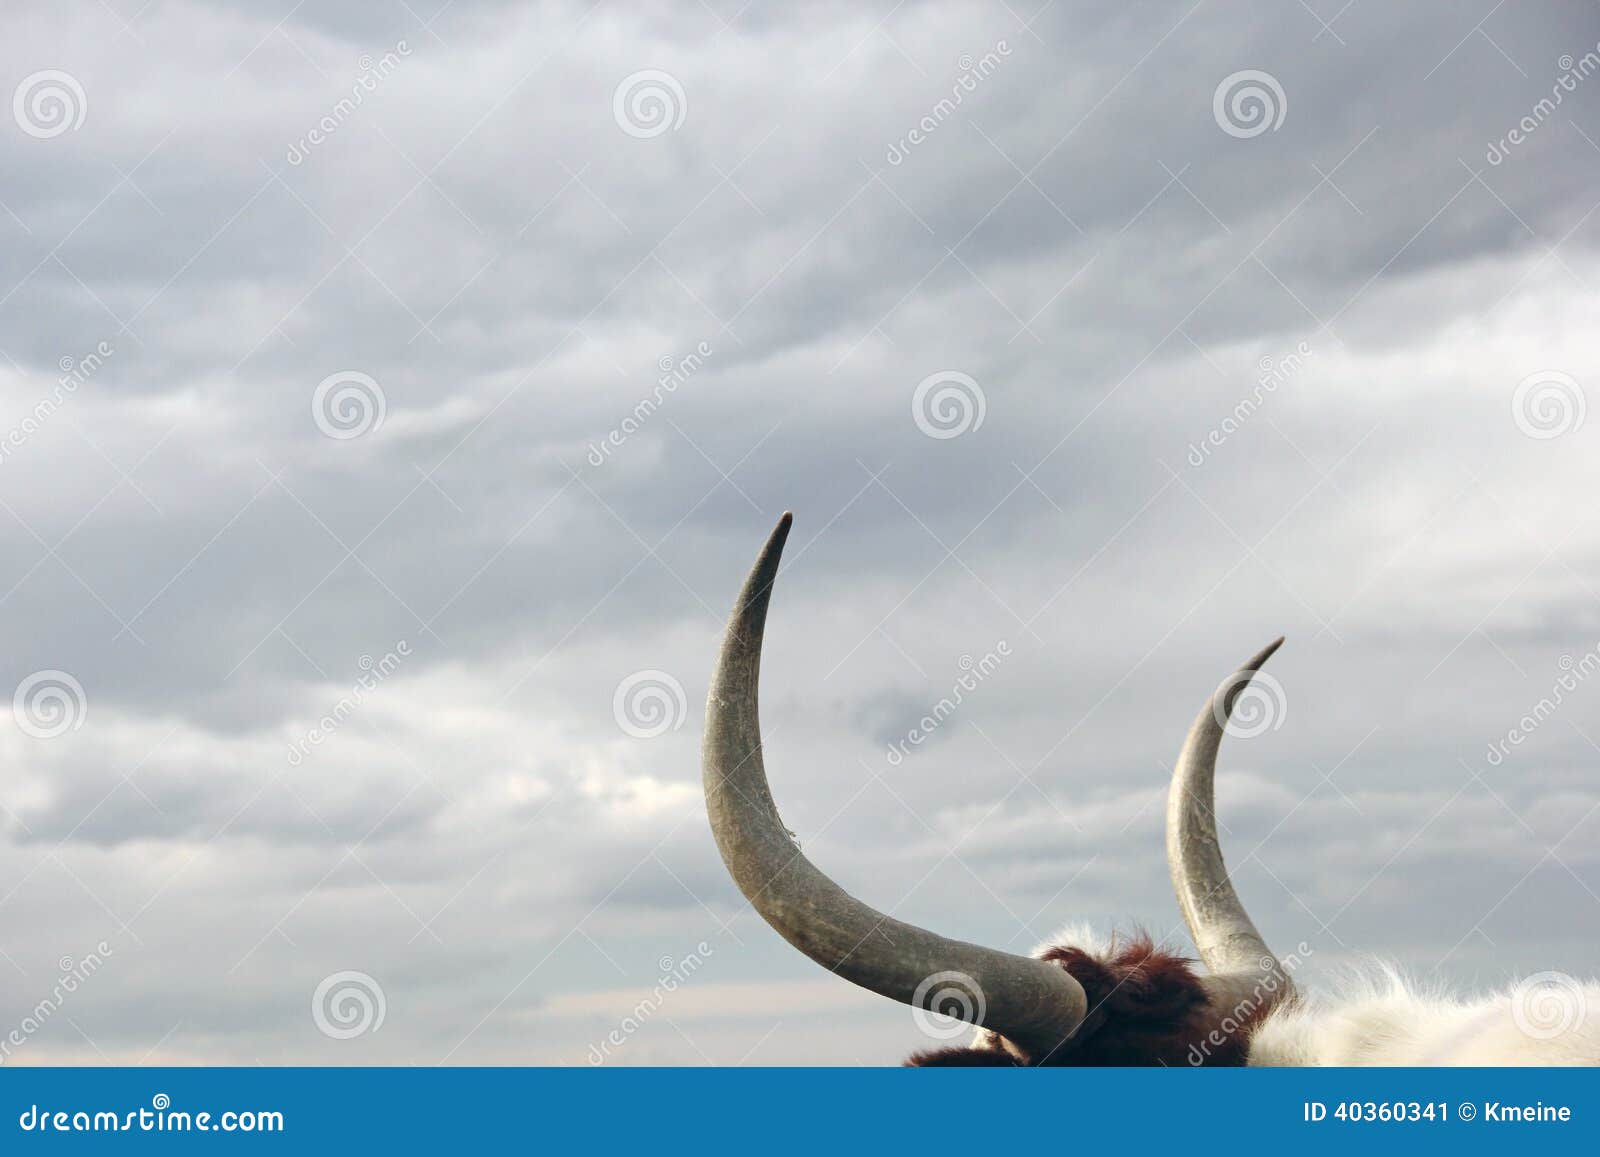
360, 579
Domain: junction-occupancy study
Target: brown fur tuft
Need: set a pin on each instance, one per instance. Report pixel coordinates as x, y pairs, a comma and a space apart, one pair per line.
1141, 1004
1146, 1007
966, 1058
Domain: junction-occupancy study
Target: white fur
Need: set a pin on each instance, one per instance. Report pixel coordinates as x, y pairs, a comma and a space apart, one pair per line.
1383, 1019
1085, 937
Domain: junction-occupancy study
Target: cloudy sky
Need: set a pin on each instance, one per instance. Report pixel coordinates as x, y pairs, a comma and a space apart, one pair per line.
360, 579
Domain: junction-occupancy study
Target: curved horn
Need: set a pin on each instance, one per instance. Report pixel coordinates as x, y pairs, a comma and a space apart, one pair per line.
1033, 1004
1227, 940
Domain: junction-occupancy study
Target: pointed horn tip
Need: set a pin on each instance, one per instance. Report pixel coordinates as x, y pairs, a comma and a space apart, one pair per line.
780, 533
1235, 683
1264, 654
759, 584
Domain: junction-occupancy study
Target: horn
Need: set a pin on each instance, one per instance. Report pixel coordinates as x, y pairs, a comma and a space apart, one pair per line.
1228, 942
1035, 1005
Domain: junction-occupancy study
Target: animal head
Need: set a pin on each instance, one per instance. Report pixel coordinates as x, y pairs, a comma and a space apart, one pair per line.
1127, 1002
1130, 1003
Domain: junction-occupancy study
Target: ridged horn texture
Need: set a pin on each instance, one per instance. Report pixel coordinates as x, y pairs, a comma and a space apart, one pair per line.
1035, 1005
1228, 942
